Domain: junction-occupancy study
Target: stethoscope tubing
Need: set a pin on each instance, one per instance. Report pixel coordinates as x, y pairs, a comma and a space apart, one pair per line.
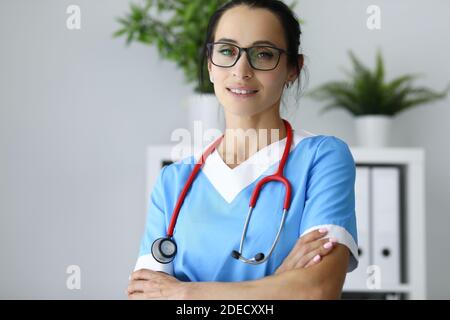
277, 177
188, 184
277, 238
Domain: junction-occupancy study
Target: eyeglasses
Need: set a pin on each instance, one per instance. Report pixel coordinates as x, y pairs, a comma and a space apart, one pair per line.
226, 55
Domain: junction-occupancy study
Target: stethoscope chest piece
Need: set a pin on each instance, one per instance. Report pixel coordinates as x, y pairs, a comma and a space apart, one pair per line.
164, 250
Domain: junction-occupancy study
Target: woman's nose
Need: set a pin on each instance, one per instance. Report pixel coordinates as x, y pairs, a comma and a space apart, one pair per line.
242, 67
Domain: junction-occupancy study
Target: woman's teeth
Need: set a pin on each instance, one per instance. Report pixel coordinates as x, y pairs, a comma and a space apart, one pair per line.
242, 91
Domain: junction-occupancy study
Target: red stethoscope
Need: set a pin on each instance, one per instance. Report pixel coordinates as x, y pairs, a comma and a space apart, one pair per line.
164, 249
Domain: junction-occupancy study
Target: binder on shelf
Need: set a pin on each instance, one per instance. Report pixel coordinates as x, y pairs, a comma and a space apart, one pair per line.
357, 278
386, 224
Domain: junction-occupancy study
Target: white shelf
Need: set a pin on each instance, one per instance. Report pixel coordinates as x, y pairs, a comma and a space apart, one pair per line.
405, 156
400, 289
412, 160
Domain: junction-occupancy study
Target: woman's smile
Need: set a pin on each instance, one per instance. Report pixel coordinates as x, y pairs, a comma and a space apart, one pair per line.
241, 96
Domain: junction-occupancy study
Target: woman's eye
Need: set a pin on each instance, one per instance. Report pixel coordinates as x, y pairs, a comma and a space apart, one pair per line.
265, 55
226, 52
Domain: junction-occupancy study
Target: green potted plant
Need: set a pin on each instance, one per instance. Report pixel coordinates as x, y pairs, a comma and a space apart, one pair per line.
372, 101
180, 39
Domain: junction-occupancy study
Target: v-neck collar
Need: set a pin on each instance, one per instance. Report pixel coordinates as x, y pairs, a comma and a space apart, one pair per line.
230, 182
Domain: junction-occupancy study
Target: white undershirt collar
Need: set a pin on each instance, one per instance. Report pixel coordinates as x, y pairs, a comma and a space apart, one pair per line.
230, 182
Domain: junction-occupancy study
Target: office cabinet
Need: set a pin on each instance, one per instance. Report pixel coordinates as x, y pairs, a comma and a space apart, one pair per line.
390, 212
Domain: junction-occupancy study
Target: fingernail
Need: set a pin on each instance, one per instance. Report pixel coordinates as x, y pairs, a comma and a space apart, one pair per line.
316, 258
328, 245
323, 230
334, 240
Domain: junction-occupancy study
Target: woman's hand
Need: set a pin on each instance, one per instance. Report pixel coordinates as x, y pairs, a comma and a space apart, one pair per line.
148, 284
308, 251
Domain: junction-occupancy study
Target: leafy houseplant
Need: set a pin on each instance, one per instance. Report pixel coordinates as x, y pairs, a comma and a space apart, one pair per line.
369, 98
180, 38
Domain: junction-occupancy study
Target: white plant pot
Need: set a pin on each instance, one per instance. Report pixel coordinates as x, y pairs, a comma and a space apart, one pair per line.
203, 112
373, 131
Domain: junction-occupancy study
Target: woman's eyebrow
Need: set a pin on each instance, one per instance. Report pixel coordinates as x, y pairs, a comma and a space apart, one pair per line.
254, 43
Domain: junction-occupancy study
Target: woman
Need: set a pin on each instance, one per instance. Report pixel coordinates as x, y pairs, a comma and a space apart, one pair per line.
209, 264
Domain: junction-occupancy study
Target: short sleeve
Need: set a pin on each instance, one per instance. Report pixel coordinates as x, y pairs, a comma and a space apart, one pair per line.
155, 228
330, 195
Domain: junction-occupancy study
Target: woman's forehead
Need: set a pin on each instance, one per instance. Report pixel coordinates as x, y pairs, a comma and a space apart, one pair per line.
245, 26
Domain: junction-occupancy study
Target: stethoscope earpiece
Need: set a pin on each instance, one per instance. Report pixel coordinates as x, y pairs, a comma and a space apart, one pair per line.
259, 257
235, 254
164, 250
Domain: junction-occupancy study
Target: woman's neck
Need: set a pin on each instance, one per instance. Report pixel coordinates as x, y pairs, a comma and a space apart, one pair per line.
244, 136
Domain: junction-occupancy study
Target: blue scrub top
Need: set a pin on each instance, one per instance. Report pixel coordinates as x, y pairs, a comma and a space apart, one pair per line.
321, 171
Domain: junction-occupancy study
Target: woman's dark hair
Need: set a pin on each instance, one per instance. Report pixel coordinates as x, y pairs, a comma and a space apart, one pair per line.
286, 17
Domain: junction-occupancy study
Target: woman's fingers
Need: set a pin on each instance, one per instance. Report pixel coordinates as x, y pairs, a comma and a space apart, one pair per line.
309, 250
142, 274
315, 256
305, 244
307, 254
151, 284
144, 296
313, 262
137, 296
140, 286
302, 257
313, 235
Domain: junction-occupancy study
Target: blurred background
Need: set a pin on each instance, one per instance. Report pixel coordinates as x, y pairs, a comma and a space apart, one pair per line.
78, 109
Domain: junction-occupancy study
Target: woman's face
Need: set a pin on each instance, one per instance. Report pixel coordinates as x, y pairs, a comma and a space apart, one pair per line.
246, 26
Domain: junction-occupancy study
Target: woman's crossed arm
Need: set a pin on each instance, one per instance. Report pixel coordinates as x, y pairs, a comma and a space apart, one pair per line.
299, 277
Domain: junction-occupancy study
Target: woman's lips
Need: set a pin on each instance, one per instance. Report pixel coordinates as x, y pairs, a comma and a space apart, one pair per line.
242, 96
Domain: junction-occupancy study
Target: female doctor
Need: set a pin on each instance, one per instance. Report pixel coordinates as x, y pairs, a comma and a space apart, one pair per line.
209, 235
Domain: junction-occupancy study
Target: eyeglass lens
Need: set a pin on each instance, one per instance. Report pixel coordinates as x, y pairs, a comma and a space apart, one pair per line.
264, 58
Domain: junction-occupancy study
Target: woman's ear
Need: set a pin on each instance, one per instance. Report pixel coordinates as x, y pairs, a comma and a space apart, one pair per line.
293, 75
301, 60
211, 78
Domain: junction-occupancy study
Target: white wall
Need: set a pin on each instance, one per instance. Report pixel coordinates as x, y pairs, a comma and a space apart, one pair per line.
78, 108
413, 39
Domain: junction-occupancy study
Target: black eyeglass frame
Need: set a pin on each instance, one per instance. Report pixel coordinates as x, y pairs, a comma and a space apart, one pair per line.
281, 51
